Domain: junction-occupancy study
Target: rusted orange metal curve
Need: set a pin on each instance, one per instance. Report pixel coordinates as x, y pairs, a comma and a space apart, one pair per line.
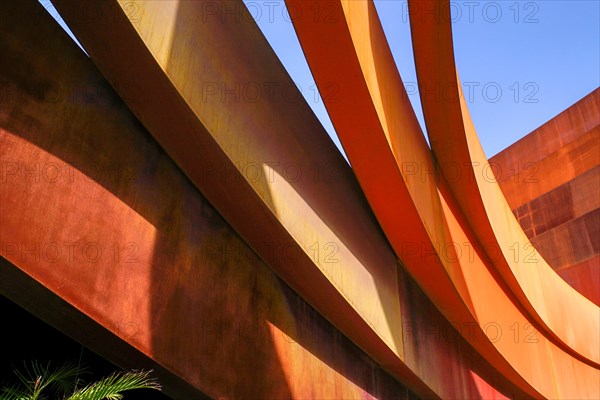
390, 157
170, 51
565, 314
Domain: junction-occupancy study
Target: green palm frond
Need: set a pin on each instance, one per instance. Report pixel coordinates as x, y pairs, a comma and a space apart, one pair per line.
38, 381
13, 393
111, 388
38, 377
64, 379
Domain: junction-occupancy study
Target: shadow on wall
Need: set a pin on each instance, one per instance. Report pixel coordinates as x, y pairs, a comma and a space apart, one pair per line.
96, 211
50, 345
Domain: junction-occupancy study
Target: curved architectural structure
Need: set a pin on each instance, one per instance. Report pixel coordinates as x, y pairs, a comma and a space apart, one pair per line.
557, 307
357, 42
549, 179
208, 228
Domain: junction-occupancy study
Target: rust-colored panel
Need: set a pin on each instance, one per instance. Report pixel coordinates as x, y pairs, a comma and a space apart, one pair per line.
91, 207
570, 243
554, 305
549, 138
533, 179
559, 206
382, 140
546, 212
358, 291
563, 226
585, 190
172, 279
271, 155
584, 277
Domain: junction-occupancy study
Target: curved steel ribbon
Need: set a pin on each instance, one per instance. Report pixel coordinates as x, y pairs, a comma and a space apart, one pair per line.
561, 311
174, 51
413, 203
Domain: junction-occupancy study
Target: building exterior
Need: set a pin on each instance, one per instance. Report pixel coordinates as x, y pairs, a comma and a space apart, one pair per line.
558, 205
171, 202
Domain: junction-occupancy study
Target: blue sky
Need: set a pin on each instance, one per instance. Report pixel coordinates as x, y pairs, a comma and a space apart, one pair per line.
521, 62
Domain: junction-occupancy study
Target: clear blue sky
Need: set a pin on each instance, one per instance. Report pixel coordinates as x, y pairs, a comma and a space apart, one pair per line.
521, 62
542, 55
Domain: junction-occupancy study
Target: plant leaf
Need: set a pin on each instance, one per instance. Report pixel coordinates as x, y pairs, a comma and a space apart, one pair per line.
64, 379
111, 387
13, 393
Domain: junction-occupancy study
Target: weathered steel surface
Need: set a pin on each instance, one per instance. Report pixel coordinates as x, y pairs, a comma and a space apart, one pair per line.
550, 179
390, 157
568, 201
358, 291
584, 277
270, 155
551, 155
576, 239
92, 209
560, 311
534, 178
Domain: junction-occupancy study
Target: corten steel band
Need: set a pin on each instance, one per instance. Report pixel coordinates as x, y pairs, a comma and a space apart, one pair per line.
549, 179
360, 291
215, 140
269, 168
561, 311
173, 288
385, 132
581, 122
276, 133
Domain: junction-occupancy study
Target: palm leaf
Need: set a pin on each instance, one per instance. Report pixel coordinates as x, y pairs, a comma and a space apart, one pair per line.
111, 387
37, 377
13, 393
64, 379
